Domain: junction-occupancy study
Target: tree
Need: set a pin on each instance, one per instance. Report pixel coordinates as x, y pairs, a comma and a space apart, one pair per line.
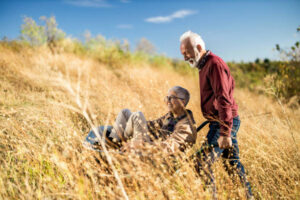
53, 34
32, 33
287, 80
145, 46
293, 54
40, 34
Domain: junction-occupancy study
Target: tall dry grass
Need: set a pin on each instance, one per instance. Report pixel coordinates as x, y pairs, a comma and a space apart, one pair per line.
43, 100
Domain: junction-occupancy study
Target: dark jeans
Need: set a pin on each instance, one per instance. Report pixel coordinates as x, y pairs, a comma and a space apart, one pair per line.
210, 152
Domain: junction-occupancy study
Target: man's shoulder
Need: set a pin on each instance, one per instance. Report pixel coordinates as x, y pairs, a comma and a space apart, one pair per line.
214, 59
186, 125
188, 119
216, 62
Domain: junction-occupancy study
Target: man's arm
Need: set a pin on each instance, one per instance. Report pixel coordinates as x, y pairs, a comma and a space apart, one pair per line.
220, 81
221, 86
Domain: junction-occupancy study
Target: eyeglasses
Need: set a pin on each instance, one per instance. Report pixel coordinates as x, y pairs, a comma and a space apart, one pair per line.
169, 98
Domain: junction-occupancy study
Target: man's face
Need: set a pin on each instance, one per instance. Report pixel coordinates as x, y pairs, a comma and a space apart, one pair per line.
174, 102
190, 54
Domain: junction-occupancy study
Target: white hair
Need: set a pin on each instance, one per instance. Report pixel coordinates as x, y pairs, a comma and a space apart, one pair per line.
195, 39
182, 93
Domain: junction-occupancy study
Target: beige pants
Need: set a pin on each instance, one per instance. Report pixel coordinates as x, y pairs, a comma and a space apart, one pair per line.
130, 125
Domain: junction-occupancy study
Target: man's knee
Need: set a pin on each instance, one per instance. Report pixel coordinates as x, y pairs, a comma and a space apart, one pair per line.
137, 115
126, 113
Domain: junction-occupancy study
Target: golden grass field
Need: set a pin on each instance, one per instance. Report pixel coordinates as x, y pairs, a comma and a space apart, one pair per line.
43, 99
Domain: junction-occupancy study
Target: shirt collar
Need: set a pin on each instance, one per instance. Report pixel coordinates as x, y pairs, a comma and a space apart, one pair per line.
170, 115
203, 60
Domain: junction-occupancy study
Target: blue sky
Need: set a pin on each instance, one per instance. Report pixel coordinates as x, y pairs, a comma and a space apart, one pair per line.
239, 30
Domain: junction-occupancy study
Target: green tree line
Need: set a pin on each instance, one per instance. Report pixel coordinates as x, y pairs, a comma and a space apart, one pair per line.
281, 77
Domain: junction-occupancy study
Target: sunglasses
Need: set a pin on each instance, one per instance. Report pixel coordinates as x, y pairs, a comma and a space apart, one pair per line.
169, 98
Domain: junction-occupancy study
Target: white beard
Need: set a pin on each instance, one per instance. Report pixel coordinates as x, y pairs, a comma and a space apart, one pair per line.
194, 61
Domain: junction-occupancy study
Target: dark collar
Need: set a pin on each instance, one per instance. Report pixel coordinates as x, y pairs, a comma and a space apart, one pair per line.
203, 60
189, 112
171, 116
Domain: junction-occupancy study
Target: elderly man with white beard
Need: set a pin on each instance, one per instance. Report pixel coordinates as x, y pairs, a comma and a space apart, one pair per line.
219, 107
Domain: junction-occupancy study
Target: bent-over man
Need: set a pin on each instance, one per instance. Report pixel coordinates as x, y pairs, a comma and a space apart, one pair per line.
218, 106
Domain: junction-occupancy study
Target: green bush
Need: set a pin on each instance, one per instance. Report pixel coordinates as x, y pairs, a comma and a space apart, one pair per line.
282, 77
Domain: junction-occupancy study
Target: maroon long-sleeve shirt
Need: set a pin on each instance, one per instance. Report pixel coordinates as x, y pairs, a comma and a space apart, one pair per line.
216, 90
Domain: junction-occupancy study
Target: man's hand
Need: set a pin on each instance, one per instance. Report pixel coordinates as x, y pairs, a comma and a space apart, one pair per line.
224, 142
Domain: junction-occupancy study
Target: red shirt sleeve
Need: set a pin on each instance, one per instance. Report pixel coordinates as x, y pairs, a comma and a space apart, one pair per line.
221, 85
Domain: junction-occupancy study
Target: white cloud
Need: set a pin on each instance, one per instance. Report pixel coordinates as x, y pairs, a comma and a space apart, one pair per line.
125, 26
88, 3
169, 18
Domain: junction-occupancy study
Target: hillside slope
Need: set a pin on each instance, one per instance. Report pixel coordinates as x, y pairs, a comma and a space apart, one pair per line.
42, 128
